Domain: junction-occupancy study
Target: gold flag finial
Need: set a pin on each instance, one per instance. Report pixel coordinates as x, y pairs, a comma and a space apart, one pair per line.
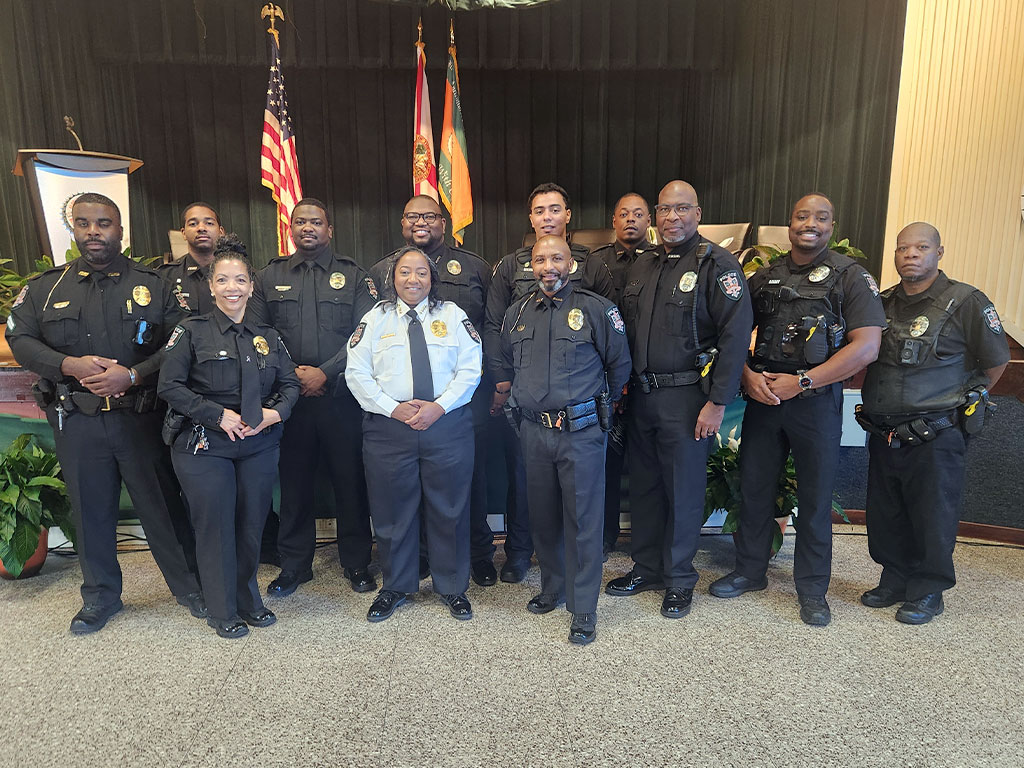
273, 11
451, 32
419, 31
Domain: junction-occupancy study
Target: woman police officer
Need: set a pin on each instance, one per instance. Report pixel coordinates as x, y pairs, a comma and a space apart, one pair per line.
235, 383
413, 364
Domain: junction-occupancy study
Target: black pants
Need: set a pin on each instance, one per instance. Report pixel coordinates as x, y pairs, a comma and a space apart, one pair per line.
613, 466
96, 453
810, 427
565, 485
228, 488
518, 540
409, 470
327, 427
913, 510
668, 477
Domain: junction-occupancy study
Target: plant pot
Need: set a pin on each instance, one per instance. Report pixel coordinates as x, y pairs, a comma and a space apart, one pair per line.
34, 563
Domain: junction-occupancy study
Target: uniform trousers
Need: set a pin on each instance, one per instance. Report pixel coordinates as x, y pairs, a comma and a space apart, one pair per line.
913, 511
810, 428
565, 486
408, 471
518, 540
667, 480
96, 453
324, 427
229, 488
613, 465
481, 537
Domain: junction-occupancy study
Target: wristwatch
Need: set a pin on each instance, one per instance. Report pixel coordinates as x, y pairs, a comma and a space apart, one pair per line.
804, 381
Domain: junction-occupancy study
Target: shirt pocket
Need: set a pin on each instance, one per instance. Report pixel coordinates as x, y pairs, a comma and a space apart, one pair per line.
284, 307
335, 313
136, 335
567, 342
679, 313
391, 359
219, 367
443, 352
631, 301
61, 326
522, 347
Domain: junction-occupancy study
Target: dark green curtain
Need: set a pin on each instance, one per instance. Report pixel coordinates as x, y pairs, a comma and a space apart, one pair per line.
754, 101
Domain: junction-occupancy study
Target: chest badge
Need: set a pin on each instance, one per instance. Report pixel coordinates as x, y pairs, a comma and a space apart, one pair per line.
261, 345
919, 326
520, 328
439, 329
575, 318
142, 295
687, 282
819, 273
454, 267
573, 268
337, 281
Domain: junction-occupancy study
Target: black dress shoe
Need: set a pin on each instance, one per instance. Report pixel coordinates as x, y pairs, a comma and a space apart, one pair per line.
632, 584
424, 568
734, 585
195, 603
459, 606
676, 603
583, 629
814, 611
287, 582
93, 617
361, 579
543, 603
384, 605
514, 571
264, 617
230, 629
882, 597
922, 610
483, 572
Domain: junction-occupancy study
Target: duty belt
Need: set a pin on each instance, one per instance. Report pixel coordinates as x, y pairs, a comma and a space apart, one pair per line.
649, 381
915, 431
141, 401
571, 418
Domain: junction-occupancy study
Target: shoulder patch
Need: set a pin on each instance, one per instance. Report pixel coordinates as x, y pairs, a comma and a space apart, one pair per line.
21, 297
731, 284
371, 288
180, 297
357, 335
615, 318
992, 319
871, 283
176, 334
471, 330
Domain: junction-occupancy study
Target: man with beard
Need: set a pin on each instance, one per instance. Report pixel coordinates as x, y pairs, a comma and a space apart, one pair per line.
512, 279
819, 320
188, 276
315, 298
688, 321
463, 278
94, 331
630, 220
564, 350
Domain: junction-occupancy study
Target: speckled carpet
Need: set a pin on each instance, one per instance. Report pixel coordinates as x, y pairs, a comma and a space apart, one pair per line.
737, 683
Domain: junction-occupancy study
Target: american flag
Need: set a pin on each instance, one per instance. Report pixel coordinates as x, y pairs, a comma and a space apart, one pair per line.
279, 165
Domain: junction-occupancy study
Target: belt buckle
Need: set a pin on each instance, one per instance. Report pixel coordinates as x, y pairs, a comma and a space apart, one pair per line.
106, 404
545, 420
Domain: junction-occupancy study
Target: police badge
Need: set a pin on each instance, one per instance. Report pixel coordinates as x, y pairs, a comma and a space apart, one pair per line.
439, 329
575, 318
687, 282
141, 295
337, 281
819, 273
918, 326
454, 268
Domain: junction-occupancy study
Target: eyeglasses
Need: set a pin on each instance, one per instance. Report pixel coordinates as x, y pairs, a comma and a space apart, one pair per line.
412, 217
680, 208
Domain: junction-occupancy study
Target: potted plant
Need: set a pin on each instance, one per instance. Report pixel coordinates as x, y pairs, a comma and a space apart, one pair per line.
33, 498
766, 254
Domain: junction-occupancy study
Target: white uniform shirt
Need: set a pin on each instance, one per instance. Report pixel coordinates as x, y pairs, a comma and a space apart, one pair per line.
379, 368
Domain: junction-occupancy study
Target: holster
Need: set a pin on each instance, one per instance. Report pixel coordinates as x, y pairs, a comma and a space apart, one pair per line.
513, 415
603, 403
44, 393
174, 422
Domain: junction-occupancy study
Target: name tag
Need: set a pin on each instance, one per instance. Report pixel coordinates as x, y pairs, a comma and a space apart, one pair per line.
282, 287
387, 335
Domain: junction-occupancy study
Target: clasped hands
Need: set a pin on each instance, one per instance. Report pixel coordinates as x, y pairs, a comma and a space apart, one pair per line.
418, 414
770, 388
233, 426
103, 376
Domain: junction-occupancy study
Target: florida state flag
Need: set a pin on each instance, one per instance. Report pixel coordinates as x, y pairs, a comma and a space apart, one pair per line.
424, 170
456, 191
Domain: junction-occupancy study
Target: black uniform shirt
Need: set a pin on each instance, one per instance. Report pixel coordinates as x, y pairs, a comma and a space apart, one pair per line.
464, 279
202, 369
190, 284
975, 328
513, 278
620, 260
66, 311
557, 350
342, 293
671, 293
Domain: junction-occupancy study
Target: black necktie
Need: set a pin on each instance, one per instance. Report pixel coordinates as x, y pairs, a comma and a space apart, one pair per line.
645, 313
310, 331
252, 406
422, 380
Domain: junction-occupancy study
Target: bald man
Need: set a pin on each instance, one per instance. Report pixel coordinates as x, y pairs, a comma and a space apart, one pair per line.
562, 348
924, 397
688, 320
819, 321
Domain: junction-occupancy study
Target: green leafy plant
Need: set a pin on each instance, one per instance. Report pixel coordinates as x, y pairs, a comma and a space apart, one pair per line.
32, 496
723, 490
766, 254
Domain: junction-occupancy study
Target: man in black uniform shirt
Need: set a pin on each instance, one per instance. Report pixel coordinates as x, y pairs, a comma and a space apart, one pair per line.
688, 319
94, 330
630, 220
819, 321
315, 298
188, 276
464, 278
564, 346
923, 398
512, 279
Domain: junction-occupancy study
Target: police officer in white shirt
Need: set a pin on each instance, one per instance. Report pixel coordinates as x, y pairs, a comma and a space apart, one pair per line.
413, 365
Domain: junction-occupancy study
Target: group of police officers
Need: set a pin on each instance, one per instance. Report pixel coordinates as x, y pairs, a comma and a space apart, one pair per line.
644, 343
